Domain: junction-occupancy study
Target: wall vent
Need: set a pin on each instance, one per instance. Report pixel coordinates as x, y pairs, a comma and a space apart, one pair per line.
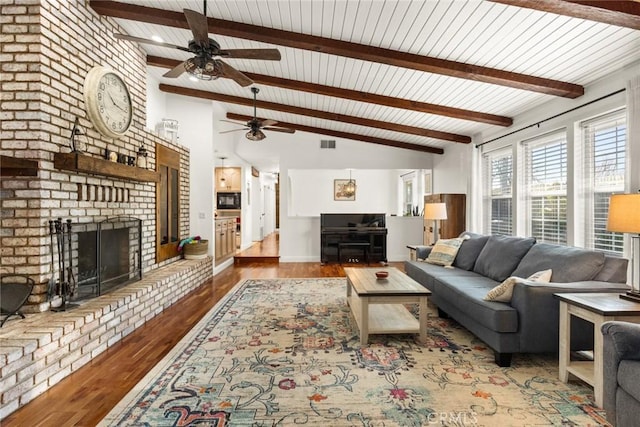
327, 143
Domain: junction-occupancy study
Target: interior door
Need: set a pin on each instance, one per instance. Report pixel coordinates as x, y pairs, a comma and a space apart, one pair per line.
257, 210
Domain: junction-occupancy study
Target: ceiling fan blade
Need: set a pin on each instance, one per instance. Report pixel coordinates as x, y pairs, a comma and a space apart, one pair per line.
232, 130
153, 42
284, 130
199, 27
267, 122
175, 71
229, 121
233, 74
265, 54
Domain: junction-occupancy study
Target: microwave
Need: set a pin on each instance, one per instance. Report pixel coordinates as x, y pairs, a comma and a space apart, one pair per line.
228, 200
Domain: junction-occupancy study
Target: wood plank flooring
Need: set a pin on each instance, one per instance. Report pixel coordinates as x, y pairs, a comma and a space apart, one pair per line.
266, 251
86, 396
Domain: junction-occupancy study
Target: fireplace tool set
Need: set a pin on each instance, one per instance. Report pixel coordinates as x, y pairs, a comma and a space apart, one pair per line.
66, 285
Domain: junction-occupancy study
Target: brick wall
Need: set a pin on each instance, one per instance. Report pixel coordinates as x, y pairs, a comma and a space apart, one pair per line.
37, 352
47, 49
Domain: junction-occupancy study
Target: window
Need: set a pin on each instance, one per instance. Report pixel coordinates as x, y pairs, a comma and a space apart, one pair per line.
167, 206
409, 193
604, 174
498, 200
545, 166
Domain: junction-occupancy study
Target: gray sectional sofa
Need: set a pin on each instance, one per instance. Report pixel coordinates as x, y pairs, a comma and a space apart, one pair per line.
529, 323
621, 341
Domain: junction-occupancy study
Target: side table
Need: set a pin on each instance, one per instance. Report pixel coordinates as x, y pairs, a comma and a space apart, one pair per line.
596, 308
412, 252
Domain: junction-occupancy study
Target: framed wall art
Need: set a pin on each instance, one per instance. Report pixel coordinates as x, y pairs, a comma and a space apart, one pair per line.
428, 182
344, 189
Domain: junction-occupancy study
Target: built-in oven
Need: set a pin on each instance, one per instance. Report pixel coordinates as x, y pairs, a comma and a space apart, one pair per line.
228, 200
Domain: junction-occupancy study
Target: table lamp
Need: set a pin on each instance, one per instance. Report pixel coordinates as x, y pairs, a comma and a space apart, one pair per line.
435, 212
624, 217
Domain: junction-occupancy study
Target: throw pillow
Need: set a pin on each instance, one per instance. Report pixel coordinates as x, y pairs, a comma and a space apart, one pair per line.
444, 251
501, 255
504, 290
469, 250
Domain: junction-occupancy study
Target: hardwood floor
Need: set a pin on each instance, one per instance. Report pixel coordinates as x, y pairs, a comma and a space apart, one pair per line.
86, 396
266, 251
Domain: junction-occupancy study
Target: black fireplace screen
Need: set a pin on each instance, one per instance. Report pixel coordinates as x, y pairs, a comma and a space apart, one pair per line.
109, 255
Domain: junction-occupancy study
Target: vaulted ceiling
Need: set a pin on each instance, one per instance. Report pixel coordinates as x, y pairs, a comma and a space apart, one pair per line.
418, 75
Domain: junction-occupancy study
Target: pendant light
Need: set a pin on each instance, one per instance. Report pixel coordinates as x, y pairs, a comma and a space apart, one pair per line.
223, 178
350, 187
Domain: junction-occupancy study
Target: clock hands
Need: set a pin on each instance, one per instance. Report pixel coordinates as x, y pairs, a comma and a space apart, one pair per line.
124, 110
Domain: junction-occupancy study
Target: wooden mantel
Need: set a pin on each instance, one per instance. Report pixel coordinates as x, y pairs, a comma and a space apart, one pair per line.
82, 163
14, 166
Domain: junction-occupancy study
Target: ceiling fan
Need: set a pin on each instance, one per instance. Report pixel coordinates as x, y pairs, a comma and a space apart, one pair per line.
203, 65
256, 126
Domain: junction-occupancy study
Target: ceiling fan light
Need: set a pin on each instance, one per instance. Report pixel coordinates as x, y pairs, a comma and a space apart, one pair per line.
210, 67
203, 68
255, 135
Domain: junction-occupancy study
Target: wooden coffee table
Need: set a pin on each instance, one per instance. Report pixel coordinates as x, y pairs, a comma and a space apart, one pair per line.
378, 304
596, 308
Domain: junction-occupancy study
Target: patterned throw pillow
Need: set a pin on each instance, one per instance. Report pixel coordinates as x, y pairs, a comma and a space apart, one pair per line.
444, 251
504, 291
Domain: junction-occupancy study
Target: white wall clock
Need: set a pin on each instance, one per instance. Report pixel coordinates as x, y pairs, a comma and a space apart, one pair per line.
108, 103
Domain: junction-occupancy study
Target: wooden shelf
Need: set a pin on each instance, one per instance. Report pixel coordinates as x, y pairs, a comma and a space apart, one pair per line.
14, 166
83, 163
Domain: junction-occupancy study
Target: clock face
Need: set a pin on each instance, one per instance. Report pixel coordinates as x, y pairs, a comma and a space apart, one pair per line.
108, 102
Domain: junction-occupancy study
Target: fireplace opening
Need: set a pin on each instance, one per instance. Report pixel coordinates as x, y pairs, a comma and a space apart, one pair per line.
109, 256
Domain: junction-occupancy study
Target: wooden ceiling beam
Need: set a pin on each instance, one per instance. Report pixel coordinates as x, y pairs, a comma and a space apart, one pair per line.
613, 12
318, 114
342, 48
347, 135
354, 95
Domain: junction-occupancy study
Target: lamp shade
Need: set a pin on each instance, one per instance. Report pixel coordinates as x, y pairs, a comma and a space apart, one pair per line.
435, 211
624, 213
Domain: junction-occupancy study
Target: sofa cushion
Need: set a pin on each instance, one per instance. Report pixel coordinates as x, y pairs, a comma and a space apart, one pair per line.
469, 250
569, 264
504, 290
501, 255
614, 270
628, 377
627, 409
468, 294
424, 273
444, 251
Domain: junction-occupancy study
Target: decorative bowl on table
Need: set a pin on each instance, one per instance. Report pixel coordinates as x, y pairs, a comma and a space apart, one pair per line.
382, 274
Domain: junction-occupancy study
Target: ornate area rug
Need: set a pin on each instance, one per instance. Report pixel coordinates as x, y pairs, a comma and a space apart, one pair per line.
279, 352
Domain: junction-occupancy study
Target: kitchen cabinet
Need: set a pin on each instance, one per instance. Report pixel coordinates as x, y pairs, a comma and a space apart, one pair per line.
228, 179
225, 237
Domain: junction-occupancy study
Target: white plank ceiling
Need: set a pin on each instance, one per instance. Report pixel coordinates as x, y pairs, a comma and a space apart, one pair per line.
474, 32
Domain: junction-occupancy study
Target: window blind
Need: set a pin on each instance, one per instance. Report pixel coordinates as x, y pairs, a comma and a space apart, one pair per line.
498, 181
604, 142
545, 164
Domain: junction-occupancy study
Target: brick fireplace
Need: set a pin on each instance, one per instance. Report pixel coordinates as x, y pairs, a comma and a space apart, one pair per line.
48, 48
